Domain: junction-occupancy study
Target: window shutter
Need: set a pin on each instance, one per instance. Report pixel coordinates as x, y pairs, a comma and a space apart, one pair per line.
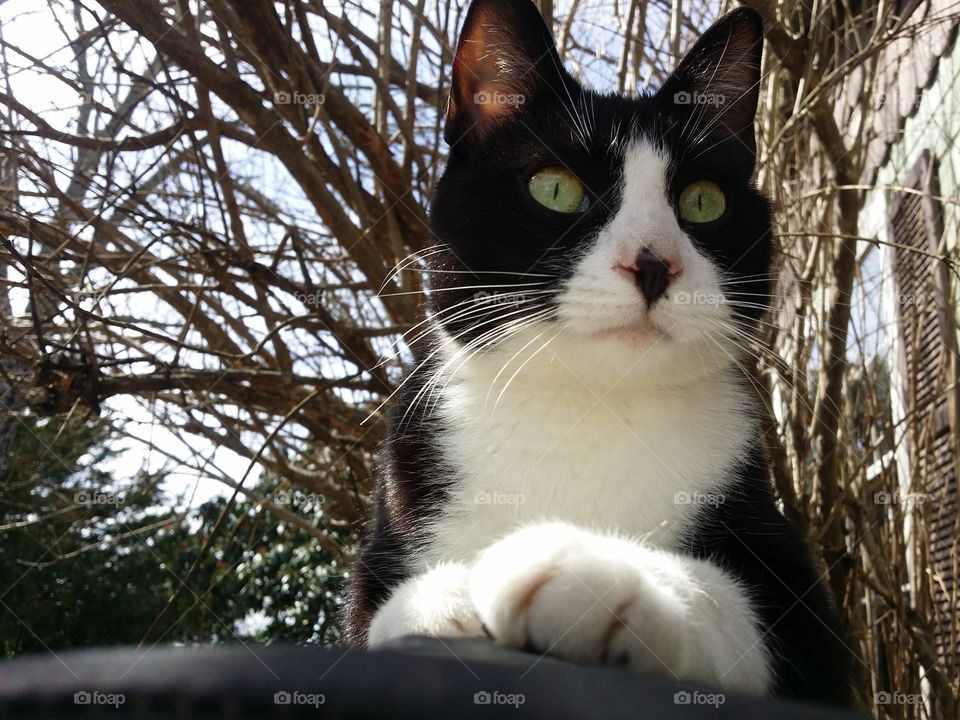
929, 359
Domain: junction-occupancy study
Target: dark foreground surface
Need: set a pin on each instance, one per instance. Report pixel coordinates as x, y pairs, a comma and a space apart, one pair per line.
421, 678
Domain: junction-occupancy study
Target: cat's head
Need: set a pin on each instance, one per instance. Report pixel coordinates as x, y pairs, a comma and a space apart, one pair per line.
618, 227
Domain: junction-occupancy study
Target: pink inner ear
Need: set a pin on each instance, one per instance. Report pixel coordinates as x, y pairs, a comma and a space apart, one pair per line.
489, 72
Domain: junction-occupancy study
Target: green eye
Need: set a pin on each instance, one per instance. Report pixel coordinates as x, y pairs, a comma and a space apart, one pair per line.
702, 201
558, 189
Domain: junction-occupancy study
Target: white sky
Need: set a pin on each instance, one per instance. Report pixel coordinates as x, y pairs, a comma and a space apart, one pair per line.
30, 25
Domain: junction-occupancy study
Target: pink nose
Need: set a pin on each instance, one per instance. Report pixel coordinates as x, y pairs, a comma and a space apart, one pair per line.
652, 273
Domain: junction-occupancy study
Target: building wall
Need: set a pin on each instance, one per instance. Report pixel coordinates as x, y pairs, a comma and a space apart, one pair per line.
934, 126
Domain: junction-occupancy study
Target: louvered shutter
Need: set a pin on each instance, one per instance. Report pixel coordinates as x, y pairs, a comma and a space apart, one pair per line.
928, 358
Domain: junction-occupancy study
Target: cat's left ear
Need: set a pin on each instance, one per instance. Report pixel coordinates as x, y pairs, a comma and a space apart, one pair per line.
717, 84
506, 60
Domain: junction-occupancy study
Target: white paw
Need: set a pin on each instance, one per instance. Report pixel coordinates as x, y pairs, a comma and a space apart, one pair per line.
585, 597
436, 604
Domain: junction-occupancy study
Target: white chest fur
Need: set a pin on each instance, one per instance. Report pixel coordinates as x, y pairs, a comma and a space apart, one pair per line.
569, 443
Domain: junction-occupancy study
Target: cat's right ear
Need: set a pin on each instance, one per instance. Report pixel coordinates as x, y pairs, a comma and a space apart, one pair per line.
505, 61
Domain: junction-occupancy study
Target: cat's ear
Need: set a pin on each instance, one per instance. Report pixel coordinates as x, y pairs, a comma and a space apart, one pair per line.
717, 84
505, 60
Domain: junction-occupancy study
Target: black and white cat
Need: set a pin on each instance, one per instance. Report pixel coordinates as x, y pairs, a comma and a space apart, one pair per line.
575, 465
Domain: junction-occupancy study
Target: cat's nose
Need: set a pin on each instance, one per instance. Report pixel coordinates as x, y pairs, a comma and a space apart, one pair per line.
653, 274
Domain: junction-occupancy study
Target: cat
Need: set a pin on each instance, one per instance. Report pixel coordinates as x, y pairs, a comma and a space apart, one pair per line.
575, 466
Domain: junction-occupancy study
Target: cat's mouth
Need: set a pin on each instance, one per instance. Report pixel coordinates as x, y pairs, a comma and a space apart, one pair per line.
644, 331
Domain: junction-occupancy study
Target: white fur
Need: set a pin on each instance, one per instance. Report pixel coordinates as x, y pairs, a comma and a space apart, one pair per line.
604, 305
588, 597
436, 604
598, 421
555, 448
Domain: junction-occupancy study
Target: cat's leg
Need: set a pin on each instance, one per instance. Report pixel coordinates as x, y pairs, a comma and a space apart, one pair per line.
436, 603
586, 597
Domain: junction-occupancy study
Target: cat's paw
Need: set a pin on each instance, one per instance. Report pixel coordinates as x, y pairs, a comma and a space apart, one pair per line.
559, 590
584, 597
436, 603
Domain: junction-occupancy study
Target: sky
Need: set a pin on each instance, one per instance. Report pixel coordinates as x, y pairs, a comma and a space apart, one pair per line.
30, 25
